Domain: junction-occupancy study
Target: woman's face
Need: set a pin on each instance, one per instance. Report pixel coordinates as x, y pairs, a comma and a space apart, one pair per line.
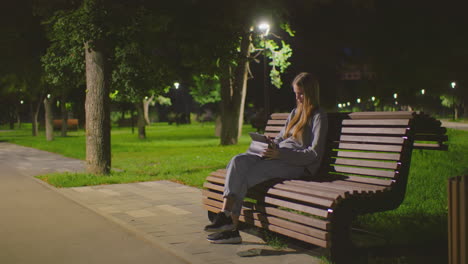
299, 94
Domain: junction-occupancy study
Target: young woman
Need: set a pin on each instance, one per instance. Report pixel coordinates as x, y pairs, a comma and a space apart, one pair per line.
296, 152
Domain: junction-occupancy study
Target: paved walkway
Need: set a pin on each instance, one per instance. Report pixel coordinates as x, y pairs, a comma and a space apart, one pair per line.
455, 125
162, 214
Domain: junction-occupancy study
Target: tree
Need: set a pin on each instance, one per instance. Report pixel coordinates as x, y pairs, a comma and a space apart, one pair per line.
224, 49
22, 44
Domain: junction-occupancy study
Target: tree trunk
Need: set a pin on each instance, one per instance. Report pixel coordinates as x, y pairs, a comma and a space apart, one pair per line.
146, 104
233, 91
63, 110
49, 127
18, 118
98, 149
34, 114
141, 122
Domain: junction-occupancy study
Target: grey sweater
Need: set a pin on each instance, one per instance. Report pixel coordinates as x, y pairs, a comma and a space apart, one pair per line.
310, 151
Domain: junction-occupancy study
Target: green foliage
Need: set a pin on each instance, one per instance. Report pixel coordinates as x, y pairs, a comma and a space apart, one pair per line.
206, 89
279, 59
449, 100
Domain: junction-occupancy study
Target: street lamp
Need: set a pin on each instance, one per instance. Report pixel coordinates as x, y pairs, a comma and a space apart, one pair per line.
454, 84
176, 85
423, 91
264, 30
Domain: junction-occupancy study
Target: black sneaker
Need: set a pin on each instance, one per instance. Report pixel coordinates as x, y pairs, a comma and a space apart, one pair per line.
220, 223
225, 237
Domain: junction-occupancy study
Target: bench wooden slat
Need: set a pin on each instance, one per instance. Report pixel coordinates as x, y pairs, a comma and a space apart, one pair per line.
273, 128
373, 130
369, 180
219, 174
360, 186
317, 189
298, 207
310, 191
372, 139
279, 116
385, 122
322, 224
320, 234
213, 186
301, 197
368, 163
368, 155
277, 122
362, 171
382, 115
290, 233
215, 179
371, 147
331, 186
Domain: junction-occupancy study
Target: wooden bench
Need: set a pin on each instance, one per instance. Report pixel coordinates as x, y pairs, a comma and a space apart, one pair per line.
72, 124
365, 170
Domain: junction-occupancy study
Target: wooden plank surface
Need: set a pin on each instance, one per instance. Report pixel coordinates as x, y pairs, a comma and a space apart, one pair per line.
376, 122
368, 163
373, 139
383, 115
373, 130
362, 171
371, 147
368, 155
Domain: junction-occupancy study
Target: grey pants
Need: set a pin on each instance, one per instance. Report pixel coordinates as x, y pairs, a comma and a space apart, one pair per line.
245, 171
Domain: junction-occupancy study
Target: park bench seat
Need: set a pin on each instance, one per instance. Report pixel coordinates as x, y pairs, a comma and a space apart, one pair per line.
365, 169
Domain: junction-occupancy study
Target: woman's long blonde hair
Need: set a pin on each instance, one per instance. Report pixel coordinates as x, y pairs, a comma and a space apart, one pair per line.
304, 111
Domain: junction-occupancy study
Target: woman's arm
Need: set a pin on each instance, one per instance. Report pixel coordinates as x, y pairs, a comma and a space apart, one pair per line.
314, 152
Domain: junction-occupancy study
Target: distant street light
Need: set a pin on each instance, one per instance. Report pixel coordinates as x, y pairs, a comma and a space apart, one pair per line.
348, 103
454, 84
339, 105
21, 102
423, 91
395, 95
358, 100
48, 96
373, 98
176, 85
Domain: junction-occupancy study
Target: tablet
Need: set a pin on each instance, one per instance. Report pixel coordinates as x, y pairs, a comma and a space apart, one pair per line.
258, 137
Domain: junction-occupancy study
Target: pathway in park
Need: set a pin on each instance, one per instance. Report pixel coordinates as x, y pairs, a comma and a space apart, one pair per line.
149, 222
455, 125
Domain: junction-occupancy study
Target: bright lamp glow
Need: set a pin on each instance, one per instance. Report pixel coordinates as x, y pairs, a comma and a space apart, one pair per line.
423, 91
339, 105
358, 100
48, 96
21, 102
373, 98
453, 84
395, 95
264, 28
176, 85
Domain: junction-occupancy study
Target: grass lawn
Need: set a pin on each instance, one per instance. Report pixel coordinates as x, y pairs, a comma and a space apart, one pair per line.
187, 153
184, 153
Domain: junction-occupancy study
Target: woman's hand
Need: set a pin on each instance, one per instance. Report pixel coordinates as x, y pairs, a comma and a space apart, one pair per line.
271, 153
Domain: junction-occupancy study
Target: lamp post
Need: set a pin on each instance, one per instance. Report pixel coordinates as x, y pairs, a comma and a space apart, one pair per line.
265, 29
454, 84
